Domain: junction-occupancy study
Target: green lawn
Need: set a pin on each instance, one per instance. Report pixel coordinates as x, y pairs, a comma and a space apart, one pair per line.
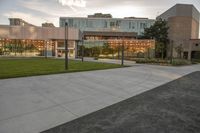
15, 67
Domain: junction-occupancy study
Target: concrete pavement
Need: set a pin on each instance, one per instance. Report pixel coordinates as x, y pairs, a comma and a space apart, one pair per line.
113, 61
34, 104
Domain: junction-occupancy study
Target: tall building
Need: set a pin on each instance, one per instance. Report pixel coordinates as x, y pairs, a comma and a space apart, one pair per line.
101, 23
183, 22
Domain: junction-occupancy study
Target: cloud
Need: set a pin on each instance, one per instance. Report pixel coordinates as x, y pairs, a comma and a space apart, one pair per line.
50, 11
52, 8
71, 3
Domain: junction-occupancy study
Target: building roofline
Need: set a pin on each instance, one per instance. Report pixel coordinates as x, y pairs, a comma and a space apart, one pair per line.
178, 4
108, 18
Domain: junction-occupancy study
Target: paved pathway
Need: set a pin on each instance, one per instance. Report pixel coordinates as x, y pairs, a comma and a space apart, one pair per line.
34, 104
114, 61
170, 108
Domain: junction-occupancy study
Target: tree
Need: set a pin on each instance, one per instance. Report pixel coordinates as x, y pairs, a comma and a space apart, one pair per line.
106, 49
160, 48
179, 50
159, 32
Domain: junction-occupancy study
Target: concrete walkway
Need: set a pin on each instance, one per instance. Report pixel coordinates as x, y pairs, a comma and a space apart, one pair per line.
113, 61
34, 104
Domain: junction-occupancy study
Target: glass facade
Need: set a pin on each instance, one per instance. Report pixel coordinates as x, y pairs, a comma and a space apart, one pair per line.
112, 48
31, 48
19, 47
108, 24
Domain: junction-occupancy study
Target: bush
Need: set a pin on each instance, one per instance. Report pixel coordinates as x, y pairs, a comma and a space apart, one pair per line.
180, 62
195, 61
96, 58
175, 62
151, 61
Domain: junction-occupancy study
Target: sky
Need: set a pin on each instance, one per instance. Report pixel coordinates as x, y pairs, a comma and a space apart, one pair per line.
40, 11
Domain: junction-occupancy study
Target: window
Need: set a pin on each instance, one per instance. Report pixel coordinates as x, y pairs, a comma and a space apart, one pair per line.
86, 23
70, 22
133, 25
90, 24
105, 24
143, 25
129, 25
112, 24
118, 23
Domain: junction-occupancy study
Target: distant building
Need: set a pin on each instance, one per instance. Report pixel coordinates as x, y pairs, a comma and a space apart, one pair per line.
48, 25
19, 22
23, 39
100, 15
134, 18
183, 22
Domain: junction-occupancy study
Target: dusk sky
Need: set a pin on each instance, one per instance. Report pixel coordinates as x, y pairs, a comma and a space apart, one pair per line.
39, 11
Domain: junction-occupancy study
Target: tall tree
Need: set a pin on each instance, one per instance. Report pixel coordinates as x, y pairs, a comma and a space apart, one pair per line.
179, 50
159, 32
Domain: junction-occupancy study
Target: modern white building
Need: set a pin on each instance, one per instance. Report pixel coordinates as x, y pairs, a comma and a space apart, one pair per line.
100, 30
101, 23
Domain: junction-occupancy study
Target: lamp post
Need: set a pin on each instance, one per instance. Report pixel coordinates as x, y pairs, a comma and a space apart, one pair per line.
66, 46
82, 51
122, 59
46, 45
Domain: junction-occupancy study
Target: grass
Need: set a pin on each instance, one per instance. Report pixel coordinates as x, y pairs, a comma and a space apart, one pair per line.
22, 67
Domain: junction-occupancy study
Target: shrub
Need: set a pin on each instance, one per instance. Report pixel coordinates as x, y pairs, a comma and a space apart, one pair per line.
96, 58
152, 61
195, 61
180, 62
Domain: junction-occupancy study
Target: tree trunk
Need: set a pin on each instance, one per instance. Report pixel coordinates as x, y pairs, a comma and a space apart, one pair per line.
162, 53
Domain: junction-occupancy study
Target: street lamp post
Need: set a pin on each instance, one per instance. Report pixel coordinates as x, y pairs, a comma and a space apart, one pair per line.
66, 46
46, 45
82, 51
122, 59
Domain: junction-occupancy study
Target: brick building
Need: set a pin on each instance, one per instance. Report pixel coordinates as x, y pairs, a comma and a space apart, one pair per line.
183, 22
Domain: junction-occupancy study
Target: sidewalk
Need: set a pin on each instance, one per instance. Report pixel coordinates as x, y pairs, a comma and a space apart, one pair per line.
35, 104
114, 61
